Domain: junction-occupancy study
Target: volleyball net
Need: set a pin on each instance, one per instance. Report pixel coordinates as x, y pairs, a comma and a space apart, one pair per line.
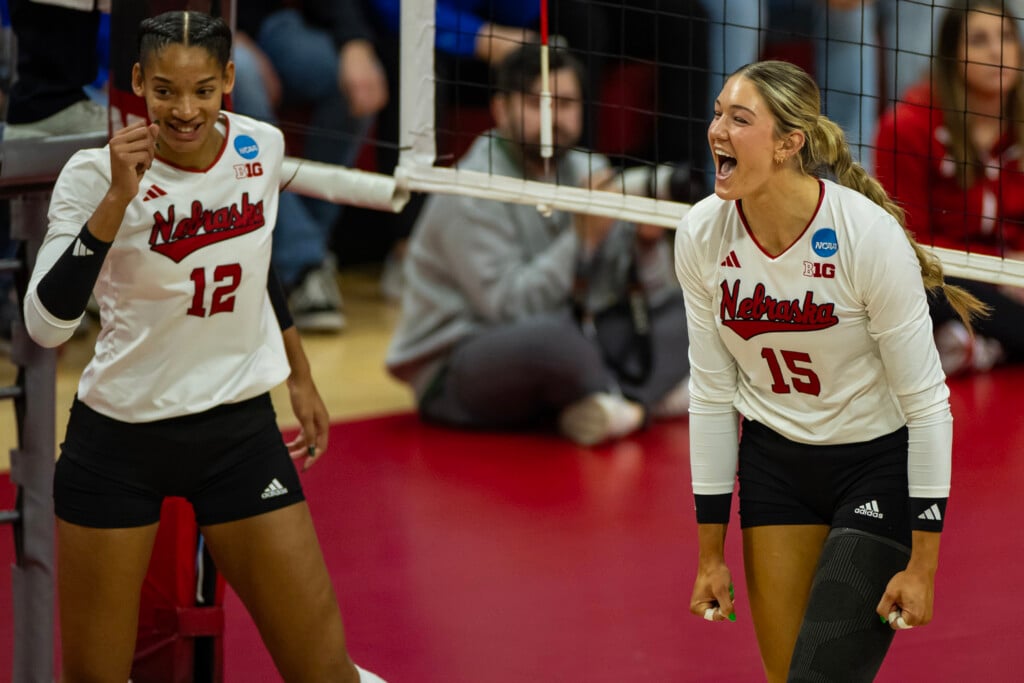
651, 70
864, 60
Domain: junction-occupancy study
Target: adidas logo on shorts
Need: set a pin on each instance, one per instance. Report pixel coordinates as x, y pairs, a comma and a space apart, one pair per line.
274, 488
869, 510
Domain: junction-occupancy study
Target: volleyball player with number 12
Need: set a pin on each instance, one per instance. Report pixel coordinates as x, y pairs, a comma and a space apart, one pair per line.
172, 224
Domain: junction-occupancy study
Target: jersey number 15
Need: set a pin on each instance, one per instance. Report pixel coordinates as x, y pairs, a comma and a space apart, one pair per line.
801, 377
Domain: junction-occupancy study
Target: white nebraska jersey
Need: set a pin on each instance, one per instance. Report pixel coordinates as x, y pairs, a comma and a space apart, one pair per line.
830, 342
186, 321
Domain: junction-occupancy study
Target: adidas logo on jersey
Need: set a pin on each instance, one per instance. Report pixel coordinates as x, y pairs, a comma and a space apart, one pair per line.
153, 192
730, 261
274, 488
869, 510
933, 513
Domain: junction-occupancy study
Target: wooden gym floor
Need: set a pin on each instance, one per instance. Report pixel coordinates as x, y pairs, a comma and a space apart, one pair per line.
349, 367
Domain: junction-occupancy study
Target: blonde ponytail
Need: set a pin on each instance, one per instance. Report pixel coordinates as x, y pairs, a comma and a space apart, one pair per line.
835, 154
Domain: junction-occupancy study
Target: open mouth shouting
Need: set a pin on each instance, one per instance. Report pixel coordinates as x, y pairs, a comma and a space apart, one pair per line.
725, 164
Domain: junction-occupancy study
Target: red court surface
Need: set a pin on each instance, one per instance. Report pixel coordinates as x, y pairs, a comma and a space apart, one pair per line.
473, 558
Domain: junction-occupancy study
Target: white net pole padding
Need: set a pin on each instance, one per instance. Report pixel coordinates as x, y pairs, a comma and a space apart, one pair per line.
417, 132
342, 185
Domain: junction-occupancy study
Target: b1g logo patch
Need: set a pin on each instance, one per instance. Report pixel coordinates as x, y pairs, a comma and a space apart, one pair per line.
246, 147
824, 242
814, 269
248, 170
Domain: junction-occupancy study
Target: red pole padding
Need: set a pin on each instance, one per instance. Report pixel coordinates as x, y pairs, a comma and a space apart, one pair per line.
179, 641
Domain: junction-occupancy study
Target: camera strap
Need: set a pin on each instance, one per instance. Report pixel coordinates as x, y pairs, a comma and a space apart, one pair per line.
633, 362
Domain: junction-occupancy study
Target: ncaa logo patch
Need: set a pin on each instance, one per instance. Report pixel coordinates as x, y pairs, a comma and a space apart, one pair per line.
825, 243
246, 147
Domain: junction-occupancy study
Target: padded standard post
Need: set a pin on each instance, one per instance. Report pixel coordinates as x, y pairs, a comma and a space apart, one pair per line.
32, 466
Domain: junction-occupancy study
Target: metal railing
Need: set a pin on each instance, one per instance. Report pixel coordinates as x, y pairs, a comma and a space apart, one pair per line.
28, 169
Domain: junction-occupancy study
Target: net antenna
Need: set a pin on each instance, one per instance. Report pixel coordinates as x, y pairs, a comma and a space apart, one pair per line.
547, 147
546, 134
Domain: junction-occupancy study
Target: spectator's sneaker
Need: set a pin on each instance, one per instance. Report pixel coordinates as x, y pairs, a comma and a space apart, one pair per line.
953, 342
84, 116
316, 303
392, 280
675, 403
961, 353
987, 354
600, 417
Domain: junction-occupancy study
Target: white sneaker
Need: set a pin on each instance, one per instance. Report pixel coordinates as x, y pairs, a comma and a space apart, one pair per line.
316, 304
953, 342
84, 116
599, 417
987, 354
368, 676
392, 279
959, 352
675, 403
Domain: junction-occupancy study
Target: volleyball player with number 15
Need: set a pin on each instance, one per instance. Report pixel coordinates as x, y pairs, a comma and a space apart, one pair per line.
807, 315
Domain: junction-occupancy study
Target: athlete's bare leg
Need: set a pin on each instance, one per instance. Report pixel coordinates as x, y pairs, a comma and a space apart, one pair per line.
780, 562
99, 579
273, 561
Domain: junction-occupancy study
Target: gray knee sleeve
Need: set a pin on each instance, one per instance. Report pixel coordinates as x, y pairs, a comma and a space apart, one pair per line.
842, 639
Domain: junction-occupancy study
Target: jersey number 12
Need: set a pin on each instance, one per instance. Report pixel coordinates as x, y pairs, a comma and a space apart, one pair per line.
227, 278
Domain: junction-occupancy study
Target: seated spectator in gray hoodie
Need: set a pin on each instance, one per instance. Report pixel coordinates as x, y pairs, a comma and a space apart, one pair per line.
515, 320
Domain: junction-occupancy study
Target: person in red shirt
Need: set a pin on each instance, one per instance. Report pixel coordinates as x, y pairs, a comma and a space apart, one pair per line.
950, 154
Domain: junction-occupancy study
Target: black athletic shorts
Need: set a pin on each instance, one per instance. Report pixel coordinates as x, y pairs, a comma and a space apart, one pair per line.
859, 486
230, 462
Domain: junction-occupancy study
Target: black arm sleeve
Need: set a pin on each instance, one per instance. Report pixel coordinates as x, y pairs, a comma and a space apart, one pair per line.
64, 291
279, 301
713, 509
927, 514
